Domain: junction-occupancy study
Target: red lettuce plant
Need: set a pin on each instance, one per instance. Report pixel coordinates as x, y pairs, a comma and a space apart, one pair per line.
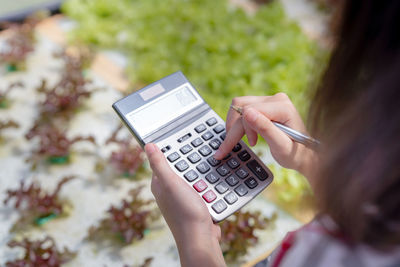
36, 205
4, 103
127, 222
238, 233
42, 252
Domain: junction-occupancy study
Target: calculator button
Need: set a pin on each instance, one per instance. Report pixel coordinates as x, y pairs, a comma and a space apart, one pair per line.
257, 170
219, 206
232, 180
219, 128
212, 177
227, 156
200, 128
186, 149
237, 147
194, 157
196, 142
251, 183
207, 135
213, 162
211, 122
231, 198
223, 170
215, 144
242, 173
191, 175
233, 163
241, 190
209, 196
200, 186
244, 155
174, 156
222, 187
205, 150
165, 149
181, 165
223, 136
184, 138
203, 167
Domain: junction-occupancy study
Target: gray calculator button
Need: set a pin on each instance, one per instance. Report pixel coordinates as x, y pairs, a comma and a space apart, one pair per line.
174, 156
207, 135
186, 149
181, 165
213, 162
196, 142
165, 149
215, 143
222, 187
200, 128
232, 180
233, 163
212, 177
237, 147
191, 175
211, 122
223, 136
244, 155
256, 168
219, 206
205, 150
231, 198
219, 128
242, 173
223, 170
241, 190
251, 183
194, 157
203, 167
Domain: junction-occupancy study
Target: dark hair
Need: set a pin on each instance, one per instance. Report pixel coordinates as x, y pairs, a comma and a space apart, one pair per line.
356, 114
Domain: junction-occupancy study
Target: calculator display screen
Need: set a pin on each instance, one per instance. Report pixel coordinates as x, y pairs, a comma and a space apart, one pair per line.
163, 109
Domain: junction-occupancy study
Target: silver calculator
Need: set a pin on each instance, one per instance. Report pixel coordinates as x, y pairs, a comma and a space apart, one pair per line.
172, 114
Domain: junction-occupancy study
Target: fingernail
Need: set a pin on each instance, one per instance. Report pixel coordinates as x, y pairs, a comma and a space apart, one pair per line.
251, 115
217, 154
150, 149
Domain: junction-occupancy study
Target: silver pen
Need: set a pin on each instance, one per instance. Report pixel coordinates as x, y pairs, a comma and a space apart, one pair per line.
293, 134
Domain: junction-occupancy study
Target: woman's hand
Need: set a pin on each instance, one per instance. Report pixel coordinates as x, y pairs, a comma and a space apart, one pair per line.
186, 214
258, 114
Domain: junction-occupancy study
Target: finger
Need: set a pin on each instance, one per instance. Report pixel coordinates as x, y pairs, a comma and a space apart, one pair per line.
241, 101
232, 137
252, 135
158, 163
155, 186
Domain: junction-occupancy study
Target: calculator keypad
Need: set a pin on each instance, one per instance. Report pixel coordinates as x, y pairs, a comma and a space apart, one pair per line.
221, 183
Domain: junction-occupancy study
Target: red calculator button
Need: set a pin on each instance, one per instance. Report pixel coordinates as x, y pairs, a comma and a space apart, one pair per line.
209, 196
200, 186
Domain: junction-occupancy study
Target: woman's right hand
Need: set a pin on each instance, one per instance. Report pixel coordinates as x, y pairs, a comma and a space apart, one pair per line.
258, 114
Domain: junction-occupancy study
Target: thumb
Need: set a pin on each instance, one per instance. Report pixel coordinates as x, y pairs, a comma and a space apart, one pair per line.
158, 163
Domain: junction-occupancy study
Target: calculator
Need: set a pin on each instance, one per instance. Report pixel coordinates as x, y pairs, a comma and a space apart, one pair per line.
171, 114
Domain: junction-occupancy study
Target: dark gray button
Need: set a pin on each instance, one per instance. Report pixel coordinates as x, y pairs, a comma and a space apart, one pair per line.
200, 128
256, 168
244, 155
231, 198
213, 162
242, 173
174, 156
191, 175
212, 177
222, 187
219, 128
251, 183
196, 142
232, 180
186, 149
241, 190
165, 149
203, 167
223, 136
215, 143
207, 135
233, 163
211, 122
205, 150
185, 137
181, 165
194, 157
223, 170
237, 147
219, 206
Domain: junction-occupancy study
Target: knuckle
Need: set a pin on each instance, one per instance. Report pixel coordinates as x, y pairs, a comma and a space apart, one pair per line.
236, 101
282, 96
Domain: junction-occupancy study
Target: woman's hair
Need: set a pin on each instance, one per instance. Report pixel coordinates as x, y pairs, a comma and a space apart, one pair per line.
356, 114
